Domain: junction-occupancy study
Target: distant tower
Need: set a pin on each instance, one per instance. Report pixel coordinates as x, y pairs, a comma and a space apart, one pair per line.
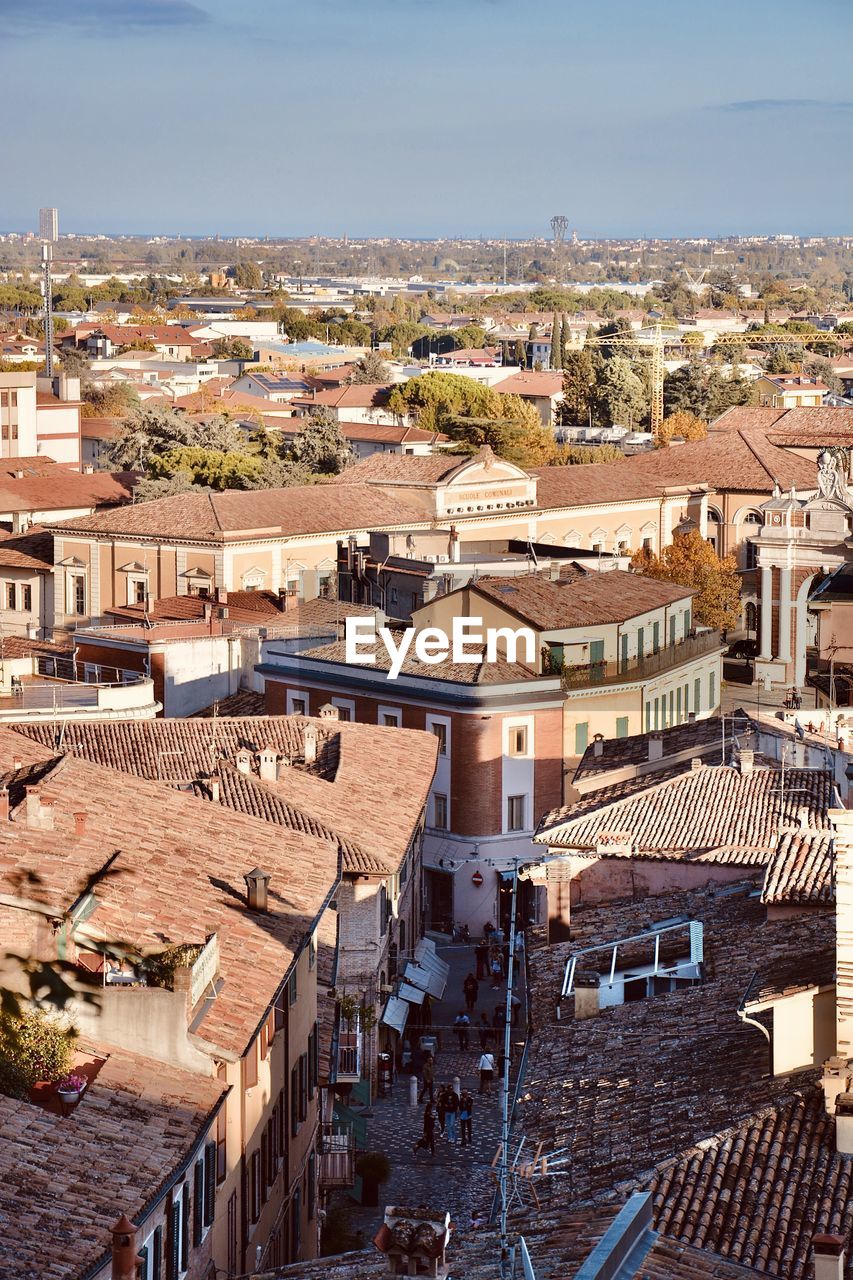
559, 226
49, 225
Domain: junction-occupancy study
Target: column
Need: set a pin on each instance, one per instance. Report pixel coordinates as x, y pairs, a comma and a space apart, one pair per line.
766, 612
785, 615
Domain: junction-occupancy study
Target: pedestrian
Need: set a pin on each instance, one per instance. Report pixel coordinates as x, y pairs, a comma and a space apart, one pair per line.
519, 943
505, 958
427, 1142
487, 1072
499, 1017
427, 1079
451, 1114
471, 987
481, 955
515, 1001
466, 1115
485, 1031
497, 968
441, 1106
461, 1023
488, 930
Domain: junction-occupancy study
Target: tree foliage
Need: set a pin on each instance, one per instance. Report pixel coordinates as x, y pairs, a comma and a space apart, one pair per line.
371, 369
705, 392
319, 446
620, 395
579, 378
35, 1045
690, 561
682, 423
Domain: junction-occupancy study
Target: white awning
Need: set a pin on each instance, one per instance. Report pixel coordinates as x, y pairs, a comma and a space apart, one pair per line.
427, 979
414, 995
395, 1014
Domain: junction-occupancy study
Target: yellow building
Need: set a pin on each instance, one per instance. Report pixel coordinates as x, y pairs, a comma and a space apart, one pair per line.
790, 391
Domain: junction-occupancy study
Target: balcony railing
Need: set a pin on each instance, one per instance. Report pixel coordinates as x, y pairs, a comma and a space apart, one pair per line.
622, 672
349, 1057
337, 1155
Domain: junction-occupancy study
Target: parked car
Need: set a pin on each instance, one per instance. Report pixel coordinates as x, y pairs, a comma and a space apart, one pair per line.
743, 649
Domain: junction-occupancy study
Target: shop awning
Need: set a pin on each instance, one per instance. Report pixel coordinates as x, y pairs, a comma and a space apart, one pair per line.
396, 1013
414, 995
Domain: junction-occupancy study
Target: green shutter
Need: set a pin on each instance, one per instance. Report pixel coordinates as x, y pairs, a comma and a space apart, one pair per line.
712, 690
678, 705
641, 639
697, 694
622, 726
655, 637
173, 1256
209, 1183
143, 1262
581, 737
198, 1203
157, 1254
185, 1227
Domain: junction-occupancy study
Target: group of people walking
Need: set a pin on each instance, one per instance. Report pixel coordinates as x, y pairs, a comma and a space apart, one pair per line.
450, 1114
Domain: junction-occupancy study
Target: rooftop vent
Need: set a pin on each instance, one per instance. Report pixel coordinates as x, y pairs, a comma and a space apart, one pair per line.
310, 743
655, 746
125, 1262
598, 745
268, 758
746, 761
828, 1257
257, 886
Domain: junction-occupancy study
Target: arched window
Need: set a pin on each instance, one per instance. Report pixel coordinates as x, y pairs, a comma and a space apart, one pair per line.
715, 521
751, 522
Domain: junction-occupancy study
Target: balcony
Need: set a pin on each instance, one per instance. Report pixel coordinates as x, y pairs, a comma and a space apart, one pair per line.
337, 1155
349, 1056
53, 699
594, 674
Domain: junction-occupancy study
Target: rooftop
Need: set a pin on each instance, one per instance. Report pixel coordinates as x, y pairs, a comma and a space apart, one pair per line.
138, 1123
801, 871
579, 597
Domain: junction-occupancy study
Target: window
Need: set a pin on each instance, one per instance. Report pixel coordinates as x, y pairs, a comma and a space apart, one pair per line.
151, 1254
415, 601
294, 1100
297, 707
686, 623
295, 1224
678, 705
232, 1233
292, 988
672, 629
648, 544
440, 731
697, 695
26, 597
657, 713
344, 713
393, 595
250, 1066
265, 1164
255, 1186
221, 1136
648, 717
439, 811
671, 707
177, 1228
391, 718
641, 640
655, 637
77, 594
303, 1087
518, 740
10, 595
204, 1192
515, 813
267, 1034
712, 690
622, 725
282, 1126
312, 1182
312, 950
581, 737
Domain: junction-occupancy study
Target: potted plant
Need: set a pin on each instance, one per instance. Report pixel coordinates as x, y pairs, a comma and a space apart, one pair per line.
36, 1049
374, 1168
70, 1086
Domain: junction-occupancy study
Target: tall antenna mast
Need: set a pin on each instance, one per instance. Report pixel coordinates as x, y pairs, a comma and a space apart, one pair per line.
559, 227
46, 255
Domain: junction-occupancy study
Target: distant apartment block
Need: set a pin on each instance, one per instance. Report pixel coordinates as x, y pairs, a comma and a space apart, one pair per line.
49, 225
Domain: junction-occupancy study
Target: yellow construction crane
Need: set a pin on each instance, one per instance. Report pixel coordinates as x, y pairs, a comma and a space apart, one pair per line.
656, 339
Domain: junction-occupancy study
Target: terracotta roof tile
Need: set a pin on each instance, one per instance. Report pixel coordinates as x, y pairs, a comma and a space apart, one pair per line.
579, 597
801, 870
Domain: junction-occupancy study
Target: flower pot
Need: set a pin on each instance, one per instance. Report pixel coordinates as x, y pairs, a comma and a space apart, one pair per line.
68, 1096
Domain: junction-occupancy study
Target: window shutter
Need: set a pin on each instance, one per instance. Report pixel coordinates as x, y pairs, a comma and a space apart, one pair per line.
265, 1166
294, 1100
157, 1254
143, 1262
185, 1226
209, 1182
198, 1202
173, 1246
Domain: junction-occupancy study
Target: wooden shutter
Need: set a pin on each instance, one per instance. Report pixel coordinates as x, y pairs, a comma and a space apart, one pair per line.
157, 1254
294, 1100
173, 1245
303, 1086
250, 1066
143, 1262
265, 1165
198, 1203
209, 1182
185, 1227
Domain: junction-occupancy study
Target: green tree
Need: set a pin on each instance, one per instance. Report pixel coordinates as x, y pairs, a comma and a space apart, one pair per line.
247, 275
556, 342
319, 446
371, 369
520, 354
210, 468
471, 337
232, 349
294, 324
579, 379
620, 396
690, 561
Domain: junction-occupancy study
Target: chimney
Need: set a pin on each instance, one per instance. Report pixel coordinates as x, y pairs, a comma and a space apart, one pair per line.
149, 602
243, 761
554, 570
88, 469
586, 995
598, 745
747, 761
79, 824
828, 1257
696, 764
310, 743
655, 746
329, 711
836, 1079
4, 804
208, 610
214, 787
125, 1261
268, 771
842, 822
16, 763
844, 1124
221, 595
32, 806
257, 886
691, 717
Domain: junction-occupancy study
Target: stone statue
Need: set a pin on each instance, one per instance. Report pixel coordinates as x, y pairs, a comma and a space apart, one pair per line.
830, 479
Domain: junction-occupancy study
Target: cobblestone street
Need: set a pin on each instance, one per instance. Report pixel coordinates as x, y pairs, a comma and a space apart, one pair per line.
457, 1179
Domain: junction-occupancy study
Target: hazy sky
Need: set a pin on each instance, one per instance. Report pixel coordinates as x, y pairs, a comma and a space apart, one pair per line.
428, 117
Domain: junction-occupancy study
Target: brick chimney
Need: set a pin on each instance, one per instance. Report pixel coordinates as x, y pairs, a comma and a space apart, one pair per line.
414, 1241
598, 745
39, 816
310, 743
587, 1002
125, 1260
268, 758
842, 822
828, 1257
257, 886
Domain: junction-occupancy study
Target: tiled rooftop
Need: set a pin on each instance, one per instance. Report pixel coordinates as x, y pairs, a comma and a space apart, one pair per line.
711, 813
65, 1180
801, 871
671, 1093
467, 673
698, 737
178, 876
579, 597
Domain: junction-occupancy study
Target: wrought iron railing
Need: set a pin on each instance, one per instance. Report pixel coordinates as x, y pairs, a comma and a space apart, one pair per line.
590, 674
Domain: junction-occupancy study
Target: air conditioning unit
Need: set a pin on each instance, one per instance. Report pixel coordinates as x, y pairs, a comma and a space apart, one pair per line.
442, 559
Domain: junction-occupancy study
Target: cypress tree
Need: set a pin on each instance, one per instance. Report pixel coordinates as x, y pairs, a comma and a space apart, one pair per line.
556, 343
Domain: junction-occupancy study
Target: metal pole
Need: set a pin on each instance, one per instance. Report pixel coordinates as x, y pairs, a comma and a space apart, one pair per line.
505, 1098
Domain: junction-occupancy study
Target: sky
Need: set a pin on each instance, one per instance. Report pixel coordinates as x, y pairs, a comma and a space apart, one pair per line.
428, 117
